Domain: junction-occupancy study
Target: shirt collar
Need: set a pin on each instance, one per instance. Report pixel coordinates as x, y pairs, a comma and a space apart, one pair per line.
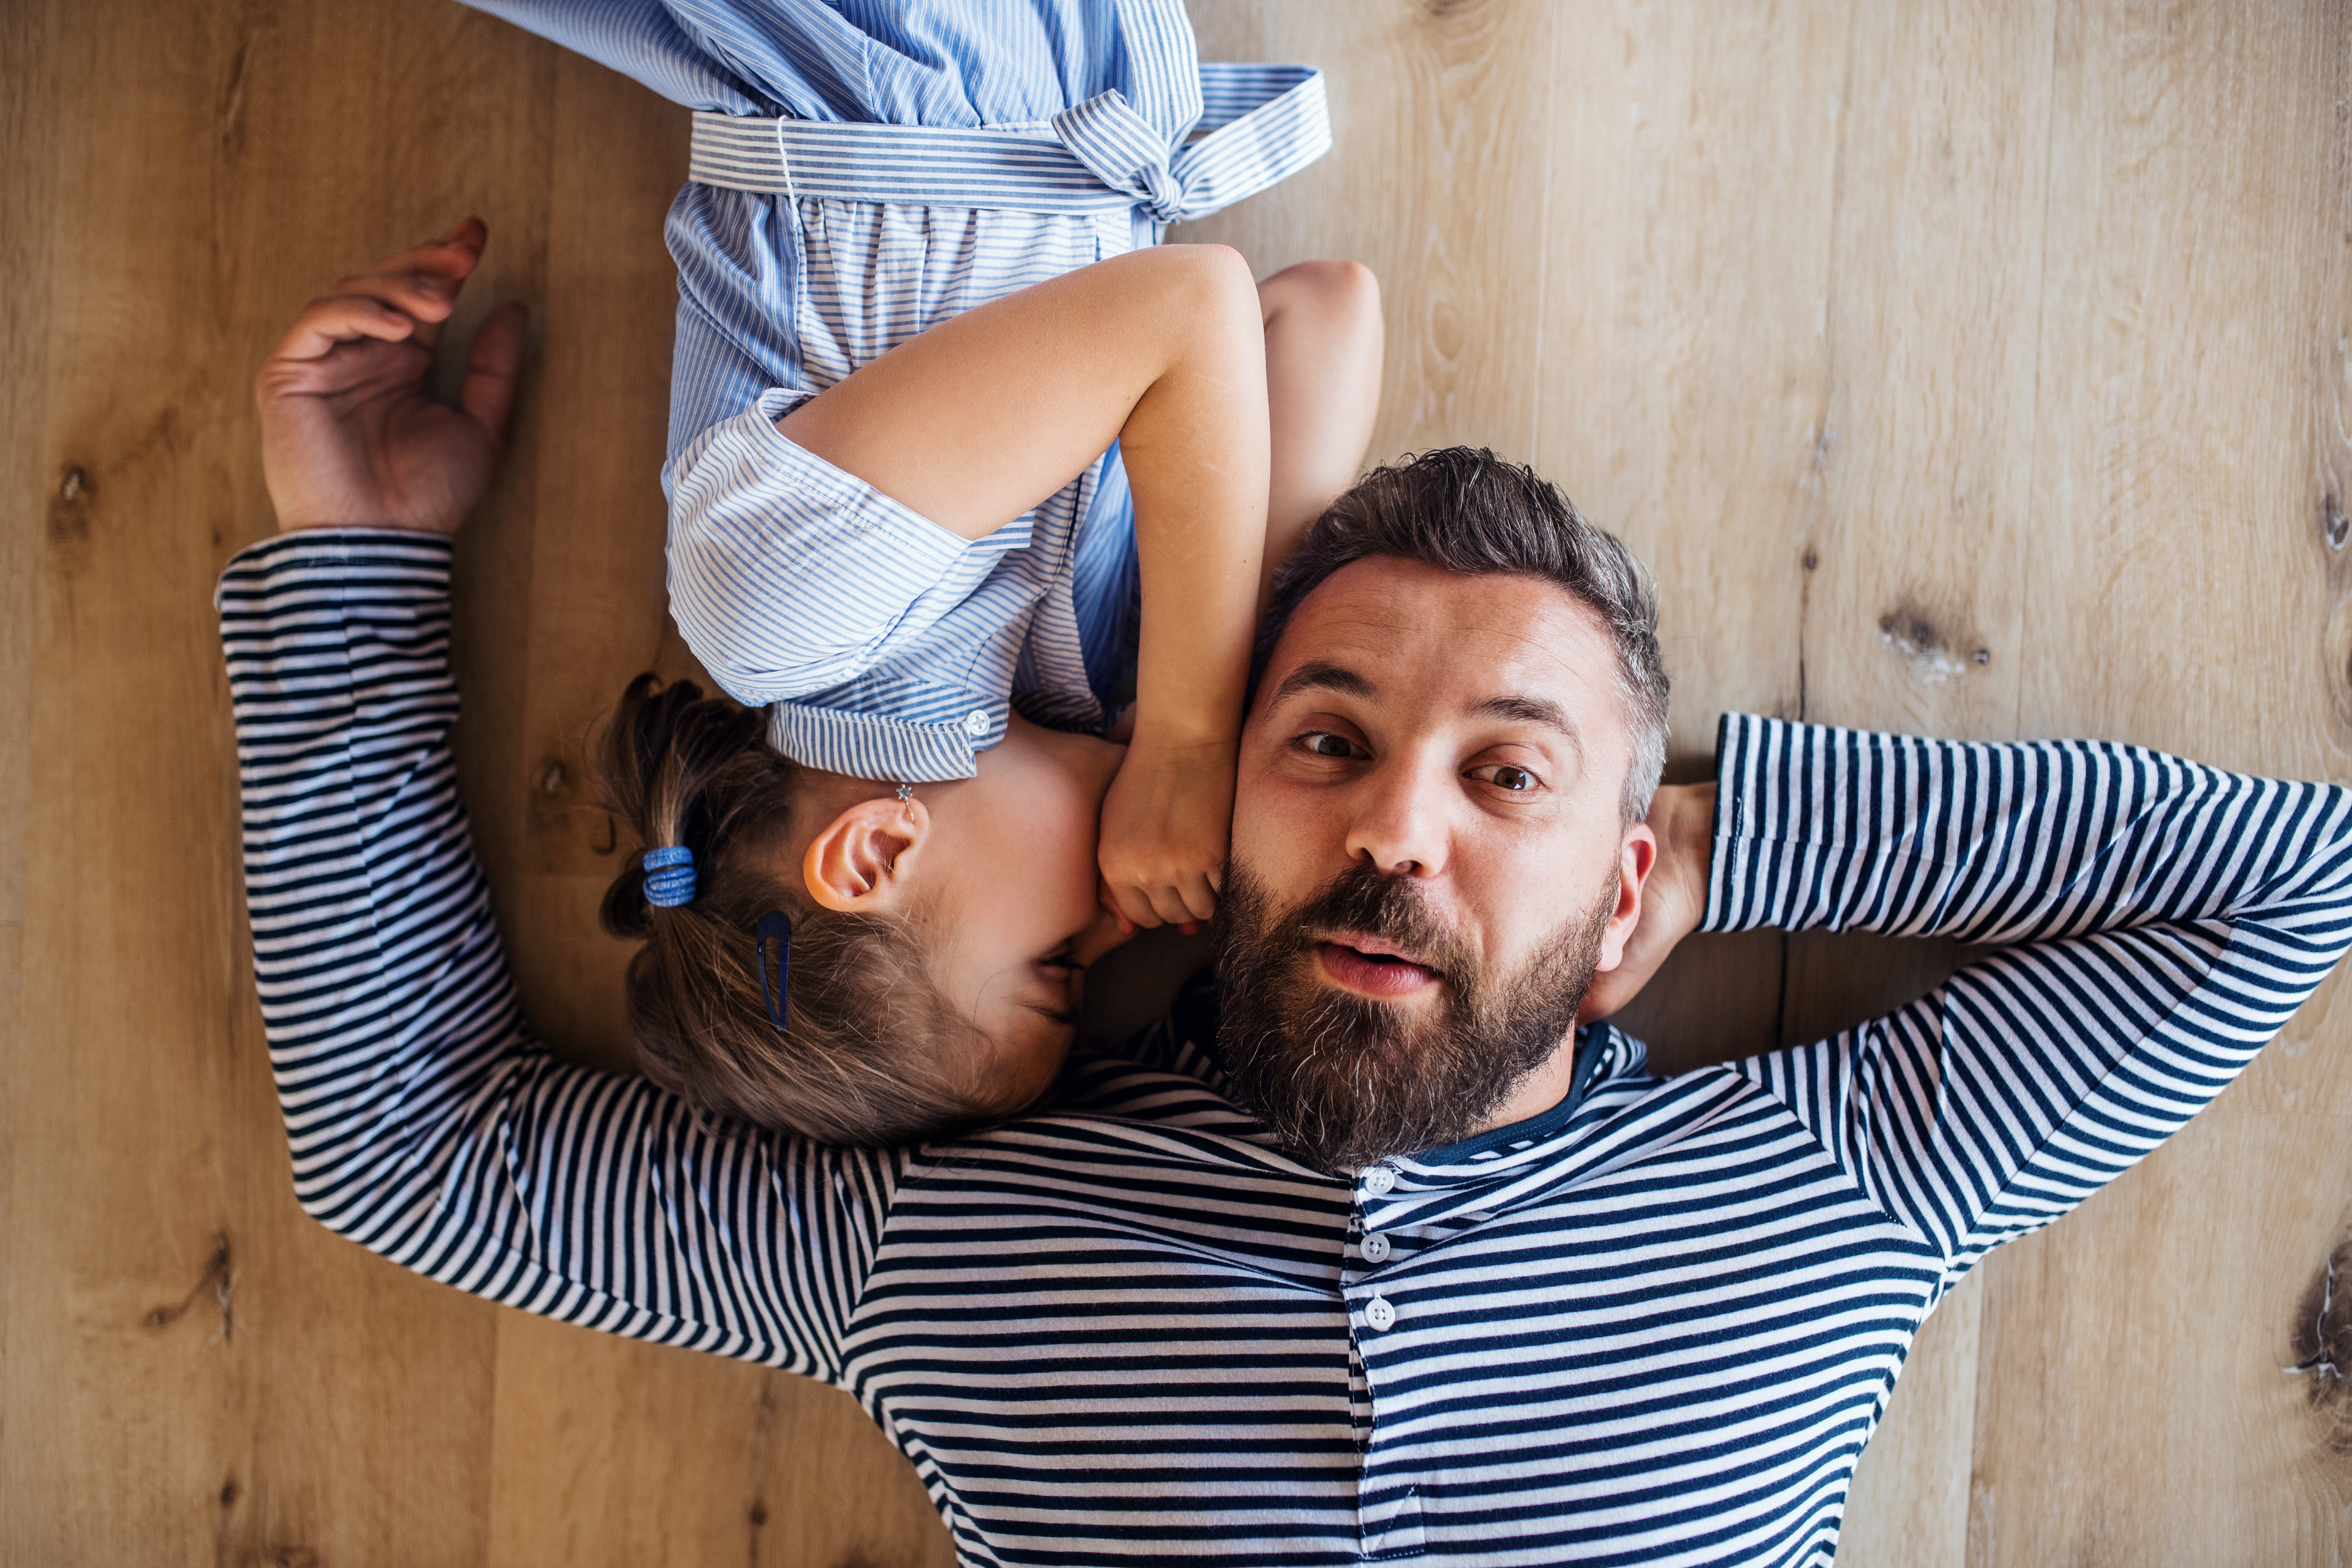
1591, 1054
1603, 1052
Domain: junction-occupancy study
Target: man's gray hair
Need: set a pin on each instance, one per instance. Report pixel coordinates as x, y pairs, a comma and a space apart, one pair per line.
1464, 510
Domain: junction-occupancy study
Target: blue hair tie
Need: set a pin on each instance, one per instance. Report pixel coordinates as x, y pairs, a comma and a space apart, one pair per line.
777, 927
669, 877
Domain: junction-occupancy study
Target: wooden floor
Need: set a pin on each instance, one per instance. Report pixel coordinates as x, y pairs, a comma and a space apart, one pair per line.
1981, 371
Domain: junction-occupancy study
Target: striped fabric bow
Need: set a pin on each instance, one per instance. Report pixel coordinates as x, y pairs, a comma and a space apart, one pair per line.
1133, 156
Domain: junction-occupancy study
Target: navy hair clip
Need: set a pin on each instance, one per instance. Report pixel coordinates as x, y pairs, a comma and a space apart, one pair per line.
669, 876
777, 927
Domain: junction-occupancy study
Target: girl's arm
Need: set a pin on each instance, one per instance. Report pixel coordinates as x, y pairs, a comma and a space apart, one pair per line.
984, 416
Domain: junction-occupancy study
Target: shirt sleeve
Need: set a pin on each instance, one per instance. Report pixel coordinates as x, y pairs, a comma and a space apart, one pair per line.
425, 1122
2156, 921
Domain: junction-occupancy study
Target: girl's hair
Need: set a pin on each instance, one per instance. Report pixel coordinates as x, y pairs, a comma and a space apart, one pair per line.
869, 1047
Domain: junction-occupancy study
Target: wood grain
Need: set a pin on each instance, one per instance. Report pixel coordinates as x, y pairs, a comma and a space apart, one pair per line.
194, 1371
2191, 351
1886, 334
29, 43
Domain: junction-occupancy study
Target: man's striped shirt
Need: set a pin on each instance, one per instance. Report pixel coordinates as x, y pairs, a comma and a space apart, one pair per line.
1656, 1327
861, 172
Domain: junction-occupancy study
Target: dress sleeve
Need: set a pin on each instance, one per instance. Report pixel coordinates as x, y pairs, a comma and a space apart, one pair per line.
2156, 924
789, 577
643, 41
425, 1122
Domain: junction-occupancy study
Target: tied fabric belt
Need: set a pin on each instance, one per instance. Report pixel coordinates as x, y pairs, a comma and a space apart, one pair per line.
1262, 124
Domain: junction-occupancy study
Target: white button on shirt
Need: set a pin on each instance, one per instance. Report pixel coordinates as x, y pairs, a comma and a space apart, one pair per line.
976, 721
1379, 1181
1379, 1314
1375, 1247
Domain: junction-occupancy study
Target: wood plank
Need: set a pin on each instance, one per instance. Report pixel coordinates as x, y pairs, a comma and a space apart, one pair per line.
1439, 167
637, 1452
28, 104
230, 1380
2131, 1404
2181, 588
1914, 552
1912, 617
1678, 386
594, 594
1693, 176
373, 1336
29, 92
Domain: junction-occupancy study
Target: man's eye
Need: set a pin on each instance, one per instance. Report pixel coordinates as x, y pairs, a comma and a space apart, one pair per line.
1502, 775
1323, 743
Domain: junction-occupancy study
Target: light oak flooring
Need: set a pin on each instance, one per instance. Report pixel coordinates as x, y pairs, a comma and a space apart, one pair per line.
1973, 370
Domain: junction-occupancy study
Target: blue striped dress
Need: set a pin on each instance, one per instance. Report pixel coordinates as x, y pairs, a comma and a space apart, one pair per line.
1654, 1327
861, 170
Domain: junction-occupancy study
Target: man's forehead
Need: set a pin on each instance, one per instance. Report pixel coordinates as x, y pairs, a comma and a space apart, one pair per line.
1490, 634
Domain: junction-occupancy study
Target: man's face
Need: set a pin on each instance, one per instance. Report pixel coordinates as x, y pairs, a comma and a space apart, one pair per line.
1429, 859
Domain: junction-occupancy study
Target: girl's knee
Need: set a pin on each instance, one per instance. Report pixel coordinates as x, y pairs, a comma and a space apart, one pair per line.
1341, 293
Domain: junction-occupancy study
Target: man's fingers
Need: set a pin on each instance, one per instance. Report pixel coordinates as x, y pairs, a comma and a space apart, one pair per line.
424, 280
340, 318
423, 295
447, 259
492, 367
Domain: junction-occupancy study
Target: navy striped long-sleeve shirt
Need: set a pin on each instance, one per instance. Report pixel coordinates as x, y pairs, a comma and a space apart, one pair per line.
1657, 1328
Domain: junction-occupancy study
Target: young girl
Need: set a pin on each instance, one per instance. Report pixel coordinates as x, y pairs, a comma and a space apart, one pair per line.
940, 408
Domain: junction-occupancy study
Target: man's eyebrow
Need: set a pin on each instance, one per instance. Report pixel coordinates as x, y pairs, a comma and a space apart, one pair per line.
1321, 675
1532, 710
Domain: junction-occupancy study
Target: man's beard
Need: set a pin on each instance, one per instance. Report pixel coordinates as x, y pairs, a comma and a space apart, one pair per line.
1345, 1079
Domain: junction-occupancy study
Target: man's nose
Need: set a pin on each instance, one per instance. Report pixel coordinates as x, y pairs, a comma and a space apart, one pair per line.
1400, 824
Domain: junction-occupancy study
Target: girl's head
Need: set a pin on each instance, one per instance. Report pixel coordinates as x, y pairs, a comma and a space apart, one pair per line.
937, 943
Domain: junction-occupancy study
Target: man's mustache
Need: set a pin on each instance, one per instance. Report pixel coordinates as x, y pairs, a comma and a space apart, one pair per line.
1360, 898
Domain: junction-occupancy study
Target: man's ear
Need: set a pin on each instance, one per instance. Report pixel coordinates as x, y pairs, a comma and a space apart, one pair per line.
1635, 857
861, 861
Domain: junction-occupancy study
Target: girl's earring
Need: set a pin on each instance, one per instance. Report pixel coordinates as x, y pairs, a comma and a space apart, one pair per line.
905, 793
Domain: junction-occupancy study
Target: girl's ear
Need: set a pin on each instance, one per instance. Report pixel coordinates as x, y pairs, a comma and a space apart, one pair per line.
860, 862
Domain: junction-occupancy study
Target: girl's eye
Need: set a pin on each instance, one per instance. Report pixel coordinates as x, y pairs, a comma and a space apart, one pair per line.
1323, 743
1503, 776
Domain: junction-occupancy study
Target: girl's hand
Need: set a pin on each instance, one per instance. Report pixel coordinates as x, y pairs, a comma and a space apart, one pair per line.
352, 436
1167, 826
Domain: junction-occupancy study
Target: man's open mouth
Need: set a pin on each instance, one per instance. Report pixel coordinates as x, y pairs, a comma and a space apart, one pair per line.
1372, 967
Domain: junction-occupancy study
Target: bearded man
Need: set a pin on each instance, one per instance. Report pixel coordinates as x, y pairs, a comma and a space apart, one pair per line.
1465, 664
1398, 1262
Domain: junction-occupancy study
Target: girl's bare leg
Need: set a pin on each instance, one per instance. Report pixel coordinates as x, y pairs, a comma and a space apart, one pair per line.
1323, 351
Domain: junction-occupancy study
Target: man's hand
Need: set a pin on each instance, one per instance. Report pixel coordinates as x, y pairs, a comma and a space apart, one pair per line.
1674, 899
352, 436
